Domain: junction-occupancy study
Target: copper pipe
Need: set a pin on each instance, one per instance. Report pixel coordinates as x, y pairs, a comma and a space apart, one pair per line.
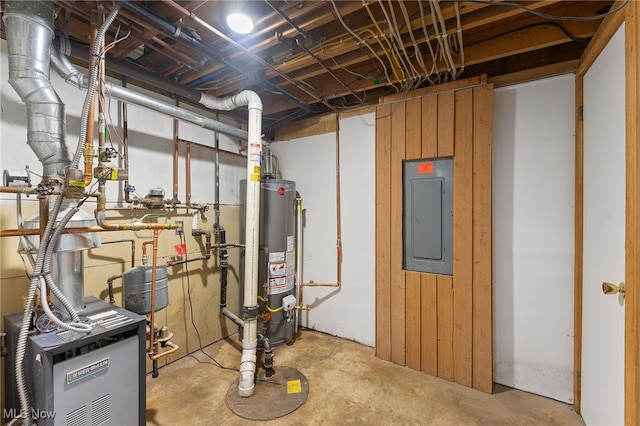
173, 347
213, 148
286, 18
24, 190
188, 173
187, 14
144, 250
154, 265
26, 232
175, 157
43, 210
338, 282
152, 351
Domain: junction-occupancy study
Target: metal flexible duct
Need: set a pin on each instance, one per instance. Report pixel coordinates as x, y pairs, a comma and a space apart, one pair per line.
29, 34
71, 75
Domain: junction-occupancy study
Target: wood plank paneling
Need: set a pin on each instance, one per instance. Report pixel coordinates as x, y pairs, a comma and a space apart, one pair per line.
383, 232
463, 237
413, 144
413, 320
446, 134
445, 327
429, 323
437, 89
421, 321
632, 213
413, 120
482, 237
398, 152
430, 126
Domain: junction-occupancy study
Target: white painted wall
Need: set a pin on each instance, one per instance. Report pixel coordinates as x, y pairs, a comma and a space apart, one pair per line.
350, 311
533, 236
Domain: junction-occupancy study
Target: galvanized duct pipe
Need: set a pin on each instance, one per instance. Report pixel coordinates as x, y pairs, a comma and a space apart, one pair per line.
71, 75
29, 35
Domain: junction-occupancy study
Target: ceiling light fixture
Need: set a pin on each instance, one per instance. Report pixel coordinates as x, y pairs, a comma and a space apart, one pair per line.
240, 23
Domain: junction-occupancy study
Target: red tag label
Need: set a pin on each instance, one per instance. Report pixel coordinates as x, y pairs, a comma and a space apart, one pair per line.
180, 248
281, 191
424, 168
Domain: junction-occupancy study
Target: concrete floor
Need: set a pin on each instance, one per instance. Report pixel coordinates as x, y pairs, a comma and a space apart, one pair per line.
347, 385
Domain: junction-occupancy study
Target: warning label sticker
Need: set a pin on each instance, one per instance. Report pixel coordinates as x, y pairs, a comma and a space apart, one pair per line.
277, 285
276, 256
277, 269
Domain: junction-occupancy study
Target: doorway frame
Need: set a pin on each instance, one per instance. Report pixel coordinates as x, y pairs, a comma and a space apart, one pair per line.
607, 29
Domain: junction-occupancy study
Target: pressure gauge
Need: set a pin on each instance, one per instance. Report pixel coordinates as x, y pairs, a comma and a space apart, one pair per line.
46, 324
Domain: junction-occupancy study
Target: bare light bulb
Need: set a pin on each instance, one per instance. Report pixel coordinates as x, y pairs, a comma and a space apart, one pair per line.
240, 23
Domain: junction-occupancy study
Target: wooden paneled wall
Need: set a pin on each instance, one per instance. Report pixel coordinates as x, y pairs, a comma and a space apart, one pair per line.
438, 324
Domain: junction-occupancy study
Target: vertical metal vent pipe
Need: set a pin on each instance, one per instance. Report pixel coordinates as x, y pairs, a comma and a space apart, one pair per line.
29, 35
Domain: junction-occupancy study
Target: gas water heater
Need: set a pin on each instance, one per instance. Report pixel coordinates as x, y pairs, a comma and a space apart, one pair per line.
276, 285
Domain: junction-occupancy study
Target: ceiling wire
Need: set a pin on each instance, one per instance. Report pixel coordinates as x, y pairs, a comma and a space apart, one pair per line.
460, 41
360, 41
399, 44
416, 49
381, 35
434, 60
544, 15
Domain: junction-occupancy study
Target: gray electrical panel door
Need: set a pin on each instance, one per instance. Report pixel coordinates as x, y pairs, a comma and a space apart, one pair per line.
428, 215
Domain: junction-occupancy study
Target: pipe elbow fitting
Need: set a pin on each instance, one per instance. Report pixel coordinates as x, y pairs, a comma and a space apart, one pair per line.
251, 99
246, 385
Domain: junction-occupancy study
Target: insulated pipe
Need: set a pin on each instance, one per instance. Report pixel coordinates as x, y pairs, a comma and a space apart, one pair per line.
71, 75
28, 26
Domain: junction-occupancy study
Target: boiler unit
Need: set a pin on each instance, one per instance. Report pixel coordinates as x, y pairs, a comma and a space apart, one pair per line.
276, 276
92, 379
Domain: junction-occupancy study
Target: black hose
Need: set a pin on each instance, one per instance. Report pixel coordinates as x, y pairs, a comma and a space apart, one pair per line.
224, 266
268, 355
224, 271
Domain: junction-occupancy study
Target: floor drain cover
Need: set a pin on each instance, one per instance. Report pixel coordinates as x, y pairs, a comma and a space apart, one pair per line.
273, 397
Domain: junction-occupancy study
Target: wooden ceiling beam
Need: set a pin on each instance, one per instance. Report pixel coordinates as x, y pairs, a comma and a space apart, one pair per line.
349, 54
528, 40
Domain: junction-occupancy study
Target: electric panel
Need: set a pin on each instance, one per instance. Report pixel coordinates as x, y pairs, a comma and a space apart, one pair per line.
428, 215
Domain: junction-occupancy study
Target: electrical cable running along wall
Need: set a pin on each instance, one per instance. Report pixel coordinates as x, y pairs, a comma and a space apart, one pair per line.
438, 324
